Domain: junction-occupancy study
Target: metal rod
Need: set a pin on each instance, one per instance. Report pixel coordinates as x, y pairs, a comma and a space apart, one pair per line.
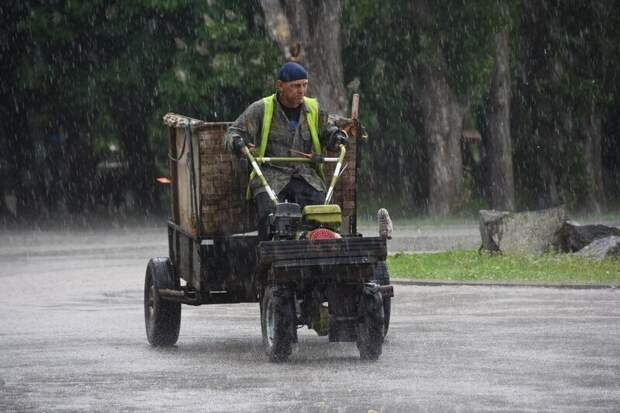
259, 173
330, 191
255, 161
292, 159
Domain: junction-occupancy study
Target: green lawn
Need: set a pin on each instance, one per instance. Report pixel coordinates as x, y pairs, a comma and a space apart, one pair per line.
470, 266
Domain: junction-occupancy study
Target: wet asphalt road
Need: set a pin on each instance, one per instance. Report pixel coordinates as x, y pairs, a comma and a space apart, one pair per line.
72, 339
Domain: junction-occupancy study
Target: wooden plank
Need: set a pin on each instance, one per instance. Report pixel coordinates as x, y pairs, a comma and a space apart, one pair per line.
187, 216
174, 189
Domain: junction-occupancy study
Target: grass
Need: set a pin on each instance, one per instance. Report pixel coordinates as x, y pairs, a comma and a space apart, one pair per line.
470, 266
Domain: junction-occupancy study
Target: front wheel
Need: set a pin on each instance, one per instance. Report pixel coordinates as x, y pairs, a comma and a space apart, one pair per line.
370, 324
382, 277
387, 310
162, 318
278, 322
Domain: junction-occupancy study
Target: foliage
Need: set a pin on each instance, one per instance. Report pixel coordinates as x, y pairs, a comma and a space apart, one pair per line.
393, 41
224, 63
227, 63
82, 76
102, 72
563, 71
471, 266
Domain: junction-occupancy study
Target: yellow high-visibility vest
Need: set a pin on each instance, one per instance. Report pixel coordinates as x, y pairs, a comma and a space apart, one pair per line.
312, 118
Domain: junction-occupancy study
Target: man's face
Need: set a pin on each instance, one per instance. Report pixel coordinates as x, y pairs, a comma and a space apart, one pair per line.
292, 93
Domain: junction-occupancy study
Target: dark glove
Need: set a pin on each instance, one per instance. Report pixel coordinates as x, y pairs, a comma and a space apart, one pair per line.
237, 145
339, 138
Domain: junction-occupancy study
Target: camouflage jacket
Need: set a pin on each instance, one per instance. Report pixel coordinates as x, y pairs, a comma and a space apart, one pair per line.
281, 140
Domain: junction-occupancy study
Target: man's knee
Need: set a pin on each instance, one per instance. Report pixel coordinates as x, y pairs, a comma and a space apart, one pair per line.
305, 194
311, 196
317, 197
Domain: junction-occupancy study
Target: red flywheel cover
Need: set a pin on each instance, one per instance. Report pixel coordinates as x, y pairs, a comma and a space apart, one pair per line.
322, 233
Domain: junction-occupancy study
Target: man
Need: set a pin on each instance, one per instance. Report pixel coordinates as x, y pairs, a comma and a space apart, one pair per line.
282, 125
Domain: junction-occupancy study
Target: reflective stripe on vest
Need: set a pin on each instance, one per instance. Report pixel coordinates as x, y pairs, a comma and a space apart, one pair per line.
312, 118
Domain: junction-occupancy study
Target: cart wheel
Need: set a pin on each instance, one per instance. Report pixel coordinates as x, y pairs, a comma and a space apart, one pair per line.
387, 309
382, 277
162, 318
371, 323
278, 322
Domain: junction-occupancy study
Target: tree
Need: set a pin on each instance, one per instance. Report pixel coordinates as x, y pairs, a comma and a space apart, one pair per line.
497, 141
15, 45
87, 74
442, 117
562, 88
434, 59
310, 32
79, 76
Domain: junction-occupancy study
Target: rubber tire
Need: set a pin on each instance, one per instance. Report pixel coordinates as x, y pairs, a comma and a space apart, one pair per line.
382, 277
278, 309
387, 309
162, 318
371, 323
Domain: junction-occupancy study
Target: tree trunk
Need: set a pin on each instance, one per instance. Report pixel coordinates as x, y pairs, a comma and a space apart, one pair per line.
17, 169
595, 196
443, 125
140, 157
310, 32
497, 143
18, 155
548, 192
442, 118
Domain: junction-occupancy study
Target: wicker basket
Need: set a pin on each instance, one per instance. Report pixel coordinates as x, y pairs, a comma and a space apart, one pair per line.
215, 182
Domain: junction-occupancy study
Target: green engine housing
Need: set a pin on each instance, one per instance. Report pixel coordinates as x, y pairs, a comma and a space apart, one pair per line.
328, 216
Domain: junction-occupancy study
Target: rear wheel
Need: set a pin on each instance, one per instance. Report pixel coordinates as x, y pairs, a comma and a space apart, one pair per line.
278, 322
370, 325
162, 318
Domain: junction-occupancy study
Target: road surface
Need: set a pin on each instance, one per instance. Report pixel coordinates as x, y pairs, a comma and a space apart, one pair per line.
72, 339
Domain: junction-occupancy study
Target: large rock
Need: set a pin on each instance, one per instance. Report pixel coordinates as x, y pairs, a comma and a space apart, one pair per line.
602, 248
521, 233
574, 237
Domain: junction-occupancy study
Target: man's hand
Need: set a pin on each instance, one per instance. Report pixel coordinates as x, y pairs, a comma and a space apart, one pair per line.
338, 138
237, 145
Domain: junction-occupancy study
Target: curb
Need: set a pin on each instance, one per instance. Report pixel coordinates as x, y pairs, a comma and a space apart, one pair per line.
440, 283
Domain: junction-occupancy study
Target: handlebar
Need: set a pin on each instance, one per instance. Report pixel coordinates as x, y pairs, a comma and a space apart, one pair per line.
277, 159
256, 160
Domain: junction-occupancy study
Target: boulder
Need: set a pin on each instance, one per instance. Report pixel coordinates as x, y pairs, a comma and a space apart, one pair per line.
574, 237
601, 248
521, 233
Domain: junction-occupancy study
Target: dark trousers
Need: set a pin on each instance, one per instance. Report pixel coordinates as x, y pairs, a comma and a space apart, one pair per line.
297, 191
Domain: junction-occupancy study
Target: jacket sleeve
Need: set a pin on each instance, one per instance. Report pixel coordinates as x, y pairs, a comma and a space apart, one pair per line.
247, 126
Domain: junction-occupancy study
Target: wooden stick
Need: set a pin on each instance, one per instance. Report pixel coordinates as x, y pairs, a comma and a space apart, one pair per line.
355, 106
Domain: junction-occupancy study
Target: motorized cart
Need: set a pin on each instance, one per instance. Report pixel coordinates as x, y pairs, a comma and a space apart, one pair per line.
316, 270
